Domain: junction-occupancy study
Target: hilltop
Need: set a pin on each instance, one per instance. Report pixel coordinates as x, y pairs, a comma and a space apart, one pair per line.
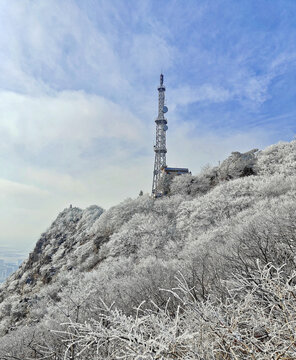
214, 233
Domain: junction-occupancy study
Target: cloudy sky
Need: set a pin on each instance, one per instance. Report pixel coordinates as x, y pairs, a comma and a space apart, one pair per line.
78, 96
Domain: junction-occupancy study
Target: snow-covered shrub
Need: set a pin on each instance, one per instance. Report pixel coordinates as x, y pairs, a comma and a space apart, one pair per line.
279, 158
256, 321
112, 219
237, 165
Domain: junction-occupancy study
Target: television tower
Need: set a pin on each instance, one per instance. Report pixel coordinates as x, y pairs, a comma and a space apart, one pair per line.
160, 144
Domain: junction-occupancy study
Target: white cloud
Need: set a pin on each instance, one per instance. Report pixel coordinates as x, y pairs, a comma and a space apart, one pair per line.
150, 53
12, 188
186, 95
71, 118
49, 44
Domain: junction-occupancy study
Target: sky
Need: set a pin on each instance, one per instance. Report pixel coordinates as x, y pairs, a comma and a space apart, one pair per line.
78, 96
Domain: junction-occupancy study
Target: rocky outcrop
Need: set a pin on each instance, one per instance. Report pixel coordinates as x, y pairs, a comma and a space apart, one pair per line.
238, 165
54, 252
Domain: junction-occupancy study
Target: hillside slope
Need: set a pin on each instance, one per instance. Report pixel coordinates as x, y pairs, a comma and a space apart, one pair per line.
212, 227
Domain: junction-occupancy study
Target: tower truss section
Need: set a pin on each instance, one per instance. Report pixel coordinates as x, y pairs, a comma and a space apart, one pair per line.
160, 143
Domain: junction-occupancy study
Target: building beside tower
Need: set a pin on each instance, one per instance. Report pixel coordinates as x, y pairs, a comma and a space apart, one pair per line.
160, 167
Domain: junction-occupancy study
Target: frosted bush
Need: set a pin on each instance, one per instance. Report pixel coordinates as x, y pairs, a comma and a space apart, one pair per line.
279, 158
256, 321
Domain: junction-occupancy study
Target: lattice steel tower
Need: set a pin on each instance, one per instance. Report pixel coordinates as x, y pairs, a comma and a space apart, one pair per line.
160, 145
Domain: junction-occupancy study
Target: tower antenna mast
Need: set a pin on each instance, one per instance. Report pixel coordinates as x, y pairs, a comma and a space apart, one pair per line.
160, 144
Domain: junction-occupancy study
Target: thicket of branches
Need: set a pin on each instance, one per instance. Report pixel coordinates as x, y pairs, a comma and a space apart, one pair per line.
256, 321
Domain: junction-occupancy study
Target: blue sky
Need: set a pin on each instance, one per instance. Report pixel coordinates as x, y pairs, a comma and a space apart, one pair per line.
78, 96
